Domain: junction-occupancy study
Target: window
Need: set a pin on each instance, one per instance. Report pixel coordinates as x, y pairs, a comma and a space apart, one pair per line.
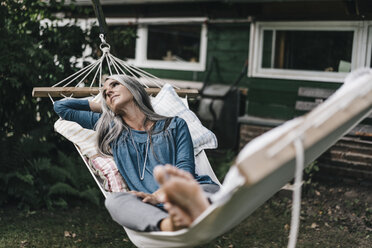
177, 46
162, 43
174, 43
307, 50
320, 51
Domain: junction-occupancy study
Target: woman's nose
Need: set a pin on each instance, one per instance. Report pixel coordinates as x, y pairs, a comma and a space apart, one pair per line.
109, 92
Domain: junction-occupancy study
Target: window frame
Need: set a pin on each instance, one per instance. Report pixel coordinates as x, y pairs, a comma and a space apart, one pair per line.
141, 60
256, 48
368, 31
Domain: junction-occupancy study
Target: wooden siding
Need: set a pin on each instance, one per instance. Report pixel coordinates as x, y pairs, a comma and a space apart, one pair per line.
276, 98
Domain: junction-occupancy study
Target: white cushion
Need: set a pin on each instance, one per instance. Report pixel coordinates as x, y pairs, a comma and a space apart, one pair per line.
85, 139
168, 103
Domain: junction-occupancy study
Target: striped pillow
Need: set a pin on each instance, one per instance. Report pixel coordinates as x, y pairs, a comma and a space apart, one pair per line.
168, 103
103, 167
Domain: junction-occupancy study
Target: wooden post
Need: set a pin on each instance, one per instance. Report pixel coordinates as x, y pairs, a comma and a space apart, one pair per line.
86, 91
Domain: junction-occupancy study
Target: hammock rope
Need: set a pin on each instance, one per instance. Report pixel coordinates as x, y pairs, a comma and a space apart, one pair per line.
114, 65
296, 198
74, 84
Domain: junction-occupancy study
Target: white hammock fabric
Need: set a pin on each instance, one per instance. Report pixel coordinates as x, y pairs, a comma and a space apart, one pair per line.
264, 165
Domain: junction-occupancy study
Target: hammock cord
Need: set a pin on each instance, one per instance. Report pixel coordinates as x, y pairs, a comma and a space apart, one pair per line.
296, 198
114, 65
119, 66
76, 74
95, 76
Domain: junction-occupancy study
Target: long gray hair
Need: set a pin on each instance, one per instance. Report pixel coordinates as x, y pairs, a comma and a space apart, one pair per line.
110, 126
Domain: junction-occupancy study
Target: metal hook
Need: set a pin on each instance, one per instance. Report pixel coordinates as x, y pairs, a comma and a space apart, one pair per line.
102, 37
105, 47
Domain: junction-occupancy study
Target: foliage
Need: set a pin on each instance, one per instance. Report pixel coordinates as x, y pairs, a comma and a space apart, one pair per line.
34, 170
221, 161
309, 172
123, 41
35, 181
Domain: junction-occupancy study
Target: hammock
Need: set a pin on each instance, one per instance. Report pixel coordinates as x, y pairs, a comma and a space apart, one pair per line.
267, 163
264, 165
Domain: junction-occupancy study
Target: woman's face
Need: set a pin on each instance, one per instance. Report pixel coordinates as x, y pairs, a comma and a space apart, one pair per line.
116, 95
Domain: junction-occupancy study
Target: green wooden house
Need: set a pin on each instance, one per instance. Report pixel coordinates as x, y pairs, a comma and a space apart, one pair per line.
289, 45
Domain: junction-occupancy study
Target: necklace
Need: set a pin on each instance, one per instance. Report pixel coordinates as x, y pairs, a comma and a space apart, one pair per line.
138, 159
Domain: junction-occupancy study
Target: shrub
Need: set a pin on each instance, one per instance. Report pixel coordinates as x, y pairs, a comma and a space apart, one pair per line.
34, 170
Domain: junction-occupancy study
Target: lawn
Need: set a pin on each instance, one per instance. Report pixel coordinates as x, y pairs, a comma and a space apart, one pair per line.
332, 215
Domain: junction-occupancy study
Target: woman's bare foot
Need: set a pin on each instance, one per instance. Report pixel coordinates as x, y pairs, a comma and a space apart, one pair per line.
184, 199
177, 219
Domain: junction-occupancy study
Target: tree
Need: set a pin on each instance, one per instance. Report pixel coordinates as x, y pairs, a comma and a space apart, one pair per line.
33, 172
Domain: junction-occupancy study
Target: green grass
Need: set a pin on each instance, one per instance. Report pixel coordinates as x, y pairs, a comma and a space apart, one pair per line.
86, 226
331, 216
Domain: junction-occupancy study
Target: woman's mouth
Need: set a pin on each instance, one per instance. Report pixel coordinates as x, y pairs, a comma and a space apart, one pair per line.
113, 97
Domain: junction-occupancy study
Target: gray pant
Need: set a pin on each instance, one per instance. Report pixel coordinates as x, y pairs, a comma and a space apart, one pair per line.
128, 210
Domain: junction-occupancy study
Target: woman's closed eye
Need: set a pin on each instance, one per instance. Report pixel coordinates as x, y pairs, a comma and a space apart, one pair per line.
111, 86
114, 84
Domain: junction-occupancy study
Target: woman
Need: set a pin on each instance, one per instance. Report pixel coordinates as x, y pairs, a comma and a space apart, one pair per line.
138, 139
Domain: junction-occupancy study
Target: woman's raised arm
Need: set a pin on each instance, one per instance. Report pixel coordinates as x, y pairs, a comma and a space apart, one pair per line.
79, 111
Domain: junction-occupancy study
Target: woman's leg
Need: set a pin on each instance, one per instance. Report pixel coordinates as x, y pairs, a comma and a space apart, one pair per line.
128, 210
185, 199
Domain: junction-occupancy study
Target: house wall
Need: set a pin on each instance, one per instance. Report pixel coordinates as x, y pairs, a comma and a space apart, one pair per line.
276, 98
229, 43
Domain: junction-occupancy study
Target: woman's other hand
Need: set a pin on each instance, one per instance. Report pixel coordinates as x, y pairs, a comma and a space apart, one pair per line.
153, 198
